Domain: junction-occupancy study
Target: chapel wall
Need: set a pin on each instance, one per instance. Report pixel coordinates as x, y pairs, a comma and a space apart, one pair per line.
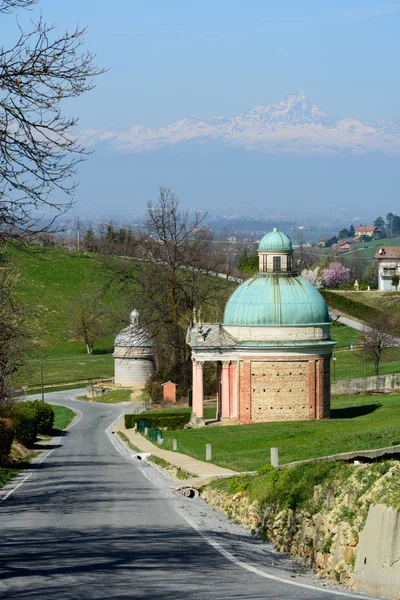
283, 390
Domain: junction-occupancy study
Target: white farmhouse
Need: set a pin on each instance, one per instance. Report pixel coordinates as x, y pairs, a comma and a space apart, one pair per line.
388, 258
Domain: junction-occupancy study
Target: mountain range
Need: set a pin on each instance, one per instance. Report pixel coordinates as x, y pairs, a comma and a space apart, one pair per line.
294, 125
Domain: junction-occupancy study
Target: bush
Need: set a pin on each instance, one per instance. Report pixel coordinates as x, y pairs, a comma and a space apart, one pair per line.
44, 415
348, 306
27, 424
168, 419
7, 432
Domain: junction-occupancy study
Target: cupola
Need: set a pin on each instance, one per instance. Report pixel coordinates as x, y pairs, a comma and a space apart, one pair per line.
275, 253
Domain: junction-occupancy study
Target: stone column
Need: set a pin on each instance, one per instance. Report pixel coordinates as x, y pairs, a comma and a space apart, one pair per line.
199, 387
225, 390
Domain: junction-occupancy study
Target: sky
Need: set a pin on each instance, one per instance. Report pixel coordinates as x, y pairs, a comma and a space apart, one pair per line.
168, 60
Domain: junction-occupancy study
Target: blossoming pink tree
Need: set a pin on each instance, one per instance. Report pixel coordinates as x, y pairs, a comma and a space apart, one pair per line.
336, 274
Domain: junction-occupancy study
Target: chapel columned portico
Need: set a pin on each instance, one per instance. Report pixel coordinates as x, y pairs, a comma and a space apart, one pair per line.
273, 349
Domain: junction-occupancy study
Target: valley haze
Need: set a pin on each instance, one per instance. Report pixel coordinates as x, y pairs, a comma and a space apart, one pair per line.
291, 155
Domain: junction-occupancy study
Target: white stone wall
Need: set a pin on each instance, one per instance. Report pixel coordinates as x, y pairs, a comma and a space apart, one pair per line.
130, 371
281, 334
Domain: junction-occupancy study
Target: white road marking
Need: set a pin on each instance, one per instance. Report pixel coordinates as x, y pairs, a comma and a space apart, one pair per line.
243, 565
236, 561
42, 458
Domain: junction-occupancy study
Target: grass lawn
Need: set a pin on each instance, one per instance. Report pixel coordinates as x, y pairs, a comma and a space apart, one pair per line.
111, 398
350, 363
62, 417
344, 336
357, 423
71, 369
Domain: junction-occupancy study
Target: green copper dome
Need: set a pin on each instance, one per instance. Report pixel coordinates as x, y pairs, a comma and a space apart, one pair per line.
275, 240
276, 300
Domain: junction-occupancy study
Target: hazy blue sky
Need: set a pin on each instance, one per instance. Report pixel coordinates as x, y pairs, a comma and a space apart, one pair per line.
171, 59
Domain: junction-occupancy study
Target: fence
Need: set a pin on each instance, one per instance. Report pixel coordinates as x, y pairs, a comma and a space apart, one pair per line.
152, 432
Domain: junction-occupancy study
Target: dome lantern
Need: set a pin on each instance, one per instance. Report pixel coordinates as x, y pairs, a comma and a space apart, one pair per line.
275, 253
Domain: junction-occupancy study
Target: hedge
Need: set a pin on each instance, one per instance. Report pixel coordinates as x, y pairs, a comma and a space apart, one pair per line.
168, 420
7, 432
26, 429
348, 306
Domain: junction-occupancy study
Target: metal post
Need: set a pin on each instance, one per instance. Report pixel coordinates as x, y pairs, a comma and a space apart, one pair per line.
159, 439
41, 379
208, 452
334, 368
174, 445
274, 457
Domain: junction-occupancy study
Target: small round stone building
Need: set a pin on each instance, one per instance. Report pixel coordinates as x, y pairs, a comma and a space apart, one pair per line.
133, 354
273, 348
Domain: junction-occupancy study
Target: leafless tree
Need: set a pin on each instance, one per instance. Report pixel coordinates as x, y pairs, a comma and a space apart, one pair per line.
15, 339
380, 333
169, 281
89, 318
39, 152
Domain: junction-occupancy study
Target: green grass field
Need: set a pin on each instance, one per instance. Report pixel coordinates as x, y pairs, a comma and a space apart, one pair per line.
49, 280
357, 423
62, 417
113, 397
365, 251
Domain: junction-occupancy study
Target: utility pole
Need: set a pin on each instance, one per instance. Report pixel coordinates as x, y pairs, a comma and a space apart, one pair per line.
78, 234
41, 379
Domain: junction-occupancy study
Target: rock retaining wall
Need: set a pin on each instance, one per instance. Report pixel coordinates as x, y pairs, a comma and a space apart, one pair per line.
344, 534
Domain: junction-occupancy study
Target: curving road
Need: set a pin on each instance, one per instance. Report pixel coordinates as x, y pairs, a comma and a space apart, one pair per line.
91, 522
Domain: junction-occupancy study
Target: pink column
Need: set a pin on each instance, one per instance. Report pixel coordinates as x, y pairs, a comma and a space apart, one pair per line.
225, 391
234, 391
194, 385
199, 387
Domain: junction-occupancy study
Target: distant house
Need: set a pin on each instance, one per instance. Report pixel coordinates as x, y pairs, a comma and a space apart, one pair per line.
388, 258
368, 230
344, 247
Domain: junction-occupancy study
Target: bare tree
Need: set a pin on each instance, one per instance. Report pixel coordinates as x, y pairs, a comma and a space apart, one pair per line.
169, 281
39, 152
89, 317
379, 334
15, 339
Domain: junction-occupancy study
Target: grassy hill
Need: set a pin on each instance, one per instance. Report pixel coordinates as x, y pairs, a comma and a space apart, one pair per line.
365, 251
49, 281
51, 278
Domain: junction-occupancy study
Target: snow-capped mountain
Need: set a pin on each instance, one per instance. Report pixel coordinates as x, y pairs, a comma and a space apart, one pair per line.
294, 125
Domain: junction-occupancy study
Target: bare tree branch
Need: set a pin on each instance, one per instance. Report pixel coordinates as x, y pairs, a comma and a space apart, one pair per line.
39, 151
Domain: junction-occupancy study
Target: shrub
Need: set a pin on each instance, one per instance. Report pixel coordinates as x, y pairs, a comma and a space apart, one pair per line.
27, 425
161, 419
348, 306
45, 416
7, 432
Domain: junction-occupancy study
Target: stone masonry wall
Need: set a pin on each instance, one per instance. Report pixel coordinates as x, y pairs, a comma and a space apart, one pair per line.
283, 390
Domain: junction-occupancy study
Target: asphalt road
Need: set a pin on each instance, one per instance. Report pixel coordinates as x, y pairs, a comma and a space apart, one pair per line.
92, 522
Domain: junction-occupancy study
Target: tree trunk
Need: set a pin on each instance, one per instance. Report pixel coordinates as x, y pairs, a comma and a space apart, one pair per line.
89, 348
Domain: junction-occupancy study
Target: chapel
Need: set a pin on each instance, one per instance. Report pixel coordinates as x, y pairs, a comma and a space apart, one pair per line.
273, 348
133, 354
